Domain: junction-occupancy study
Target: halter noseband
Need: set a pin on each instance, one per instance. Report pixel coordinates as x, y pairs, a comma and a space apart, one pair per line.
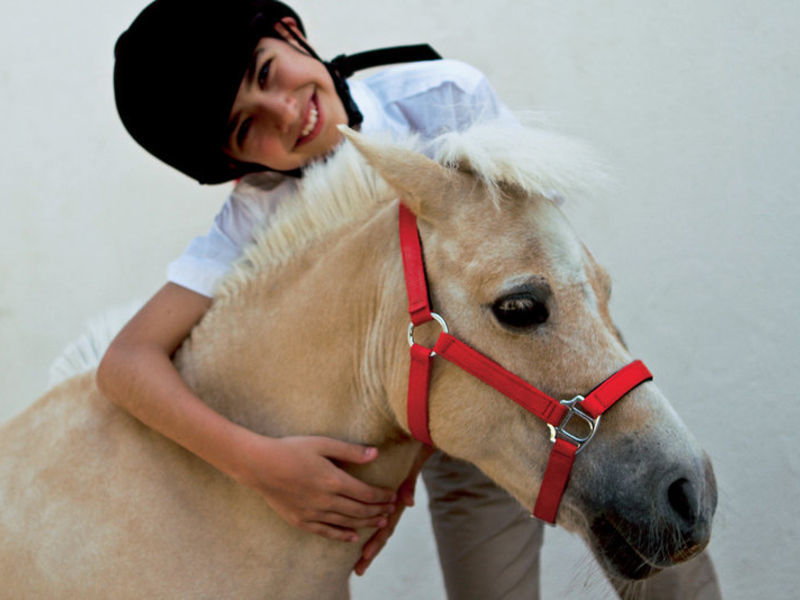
554, 413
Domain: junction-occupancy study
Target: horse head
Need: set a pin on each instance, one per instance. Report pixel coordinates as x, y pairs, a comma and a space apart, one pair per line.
512, 280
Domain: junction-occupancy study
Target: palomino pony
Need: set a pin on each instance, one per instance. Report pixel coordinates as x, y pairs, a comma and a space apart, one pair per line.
308, 336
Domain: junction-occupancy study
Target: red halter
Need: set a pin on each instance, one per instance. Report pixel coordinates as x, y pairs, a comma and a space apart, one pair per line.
556, 414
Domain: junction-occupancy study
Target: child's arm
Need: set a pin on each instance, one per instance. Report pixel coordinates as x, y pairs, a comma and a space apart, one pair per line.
294, 474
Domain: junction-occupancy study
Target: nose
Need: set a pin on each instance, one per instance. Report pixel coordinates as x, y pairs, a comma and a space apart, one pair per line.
279, 110
689, 503
683, 500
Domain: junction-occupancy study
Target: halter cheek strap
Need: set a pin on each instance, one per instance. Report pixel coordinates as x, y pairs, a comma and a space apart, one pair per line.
556, 414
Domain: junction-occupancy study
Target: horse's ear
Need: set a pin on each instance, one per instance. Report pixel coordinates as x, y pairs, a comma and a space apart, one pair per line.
421, 183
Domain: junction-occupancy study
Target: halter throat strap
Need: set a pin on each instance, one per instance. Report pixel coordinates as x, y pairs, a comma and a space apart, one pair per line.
556, 414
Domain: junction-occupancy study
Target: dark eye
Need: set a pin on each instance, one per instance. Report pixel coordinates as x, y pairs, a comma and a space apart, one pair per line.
263, 73
520, 310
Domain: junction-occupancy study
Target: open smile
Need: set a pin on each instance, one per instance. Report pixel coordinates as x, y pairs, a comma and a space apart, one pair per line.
312, 121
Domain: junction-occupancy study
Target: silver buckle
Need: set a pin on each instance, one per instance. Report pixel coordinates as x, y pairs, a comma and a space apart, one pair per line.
573, 411
436, 317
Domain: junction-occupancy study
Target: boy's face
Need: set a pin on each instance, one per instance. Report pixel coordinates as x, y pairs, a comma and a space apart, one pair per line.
286, 110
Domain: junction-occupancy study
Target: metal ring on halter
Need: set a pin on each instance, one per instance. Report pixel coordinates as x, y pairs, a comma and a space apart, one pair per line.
436, 317
579, 440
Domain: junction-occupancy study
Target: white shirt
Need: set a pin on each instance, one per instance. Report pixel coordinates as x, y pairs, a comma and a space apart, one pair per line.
426, 98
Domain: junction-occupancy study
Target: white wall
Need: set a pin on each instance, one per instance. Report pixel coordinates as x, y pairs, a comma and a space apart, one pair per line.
694, 102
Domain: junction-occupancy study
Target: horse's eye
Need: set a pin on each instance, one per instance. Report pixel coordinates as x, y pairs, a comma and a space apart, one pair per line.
520, 310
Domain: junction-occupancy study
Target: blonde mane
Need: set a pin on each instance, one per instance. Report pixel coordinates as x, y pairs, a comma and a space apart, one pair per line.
345, 189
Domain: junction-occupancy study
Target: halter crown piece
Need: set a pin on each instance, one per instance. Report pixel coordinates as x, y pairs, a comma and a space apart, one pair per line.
556, 414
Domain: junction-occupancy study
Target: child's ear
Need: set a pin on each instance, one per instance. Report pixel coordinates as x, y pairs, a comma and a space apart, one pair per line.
284, 25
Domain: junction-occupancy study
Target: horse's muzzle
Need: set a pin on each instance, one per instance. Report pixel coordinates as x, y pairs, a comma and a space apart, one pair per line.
637, 539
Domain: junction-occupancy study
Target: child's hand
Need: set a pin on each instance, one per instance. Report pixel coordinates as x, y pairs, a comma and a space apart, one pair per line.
300, 482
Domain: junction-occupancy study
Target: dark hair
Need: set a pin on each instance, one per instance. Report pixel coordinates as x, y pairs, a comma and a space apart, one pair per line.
178, 69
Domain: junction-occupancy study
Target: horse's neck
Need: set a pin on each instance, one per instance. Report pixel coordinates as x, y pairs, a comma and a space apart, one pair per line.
303, 350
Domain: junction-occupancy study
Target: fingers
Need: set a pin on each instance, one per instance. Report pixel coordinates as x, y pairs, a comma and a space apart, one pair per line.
329, 531
406, 491
352, 453
346, 522
310, 491
342, 528
346, 513
332, 524
348, 485
359, 510
371, 549
362, 492
376, 543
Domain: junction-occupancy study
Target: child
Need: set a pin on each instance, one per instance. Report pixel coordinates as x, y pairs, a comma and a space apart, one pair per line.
227, 89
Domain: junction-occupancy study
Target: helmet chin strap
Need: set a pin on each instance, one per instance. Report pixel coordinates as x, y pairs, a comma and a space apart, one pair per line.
354, 116
344, 65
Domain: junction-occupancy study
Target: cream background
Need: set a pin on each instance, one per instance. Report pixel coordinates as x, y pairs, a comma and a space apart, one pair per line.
694, 103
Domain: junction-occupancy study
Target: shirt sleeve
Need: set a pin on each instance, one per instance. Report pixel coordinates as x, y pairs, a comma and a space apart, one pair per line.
210, 257
436, 97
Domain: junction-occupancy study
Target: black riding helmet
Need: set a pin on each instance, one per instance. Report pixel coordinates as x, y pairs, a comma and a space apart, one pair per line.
179, 66
178, 69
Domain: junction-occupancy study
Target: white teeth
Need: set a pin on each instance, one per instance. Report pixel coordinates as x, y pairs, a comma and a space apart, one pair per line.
312, 121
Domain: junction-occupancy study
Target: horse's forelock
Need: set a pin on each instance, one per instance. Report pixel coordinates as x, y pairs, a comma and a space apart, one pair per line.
535, 161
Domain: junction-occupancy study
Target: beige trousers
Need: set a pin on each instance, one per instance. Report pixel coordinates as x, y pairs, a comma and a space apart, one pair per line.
489, 545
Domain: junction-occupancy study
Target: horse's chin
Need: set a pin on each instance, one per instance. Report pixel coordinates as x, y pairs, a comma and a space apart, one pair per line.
616, 554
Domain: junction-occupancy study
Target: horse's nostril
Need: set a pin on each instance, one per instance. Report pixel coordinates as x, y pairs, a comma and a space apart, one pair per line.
683, 500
